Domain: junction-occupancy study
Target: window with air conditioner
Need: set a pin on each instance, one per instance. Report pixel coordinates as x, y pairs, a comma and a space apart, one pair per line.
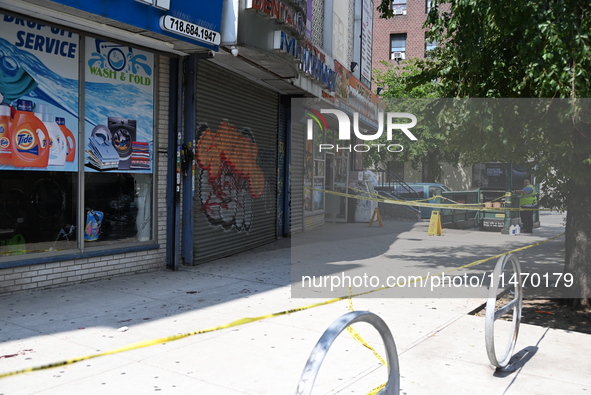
399, 7
398, 46
398, 56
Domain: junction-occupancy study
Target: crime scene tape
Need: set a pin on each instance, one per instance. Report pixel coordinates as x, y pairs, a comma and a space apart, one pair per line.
413, 203
377, 195
246, 320
377, 389
365, 344
359, 338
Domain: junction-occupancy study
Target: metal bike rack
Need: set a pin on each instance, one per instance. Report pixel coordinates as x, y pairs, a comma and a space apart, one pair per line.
312, 367
492, 315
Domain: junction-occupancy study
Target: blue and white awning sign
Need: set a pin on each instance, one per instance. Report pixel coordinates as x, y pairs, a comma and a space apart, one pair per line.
203, 15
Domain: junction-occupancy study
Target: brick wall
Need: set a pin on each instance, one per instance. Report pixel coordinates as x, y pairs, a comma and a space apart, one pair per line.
411, 24
55, 274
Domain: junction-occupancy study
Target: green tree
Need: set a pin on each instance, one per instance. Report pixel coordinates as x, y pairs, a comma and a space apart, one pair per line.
525, 49
400, 93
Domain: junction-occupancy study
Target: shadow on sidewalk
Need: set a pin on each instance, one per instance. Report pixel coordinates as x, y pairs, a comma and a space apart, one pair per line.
334, 248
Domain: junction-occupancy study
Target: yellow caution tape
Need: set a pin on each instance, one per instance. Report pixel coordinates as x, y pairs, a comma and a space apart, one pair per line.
381, 198
382, 386
377, 389
417, 203
359, 338
243, 321
378, 196
415, 279
153, 342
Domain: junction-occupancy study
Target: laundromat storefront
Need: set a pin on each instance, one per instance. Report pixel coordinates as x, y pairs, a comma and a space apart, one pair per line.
76, 142
235, 201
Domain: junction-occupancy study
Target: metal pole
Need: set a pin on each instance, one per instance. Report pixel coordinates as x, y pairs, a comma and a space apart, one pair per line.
492, 314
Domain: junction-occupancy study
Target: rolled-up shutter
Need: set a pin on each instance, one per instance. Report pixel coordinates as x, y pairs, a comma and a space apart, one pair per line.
235, 199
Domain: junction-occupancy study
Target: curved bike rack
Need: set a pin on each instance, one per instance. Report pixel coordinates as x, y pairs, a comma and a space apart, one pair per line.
492, 314
312, 367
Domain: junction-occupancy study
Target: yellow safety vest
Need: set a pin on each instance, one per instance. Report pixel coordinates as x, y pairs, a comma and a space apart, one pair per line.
530, 199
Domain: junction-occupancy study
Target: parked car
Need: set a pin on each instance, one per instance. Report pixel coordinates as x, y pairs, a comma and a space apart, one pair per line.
416, 191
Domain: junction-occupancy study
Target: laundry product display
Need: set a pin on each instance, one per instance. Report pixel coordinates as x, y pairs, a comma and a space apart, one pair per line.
101, 152
140, 155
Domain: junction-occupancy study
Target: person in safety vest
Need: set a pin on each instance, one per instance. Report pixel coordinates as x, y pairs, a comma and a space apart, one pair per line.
529, 200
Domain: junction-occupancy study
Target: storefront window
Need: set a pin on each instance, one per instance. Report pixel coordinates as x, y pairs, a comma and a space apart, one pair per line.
121, 204
38, 129
37, 212
314, 173
41, 132
119, 124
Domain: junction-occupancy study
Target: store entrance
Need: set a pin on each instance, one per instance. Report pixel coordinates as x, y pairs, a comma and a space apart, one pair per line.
337, 165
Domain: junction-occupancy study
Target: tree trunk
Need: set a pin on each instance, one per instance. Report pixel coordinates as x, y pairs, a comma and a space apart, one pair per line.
578, 245
431, 169
425, 170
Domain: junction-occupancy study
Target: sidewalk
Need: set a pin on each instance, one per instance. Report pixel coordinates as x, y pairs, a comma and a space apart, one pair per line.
441, 348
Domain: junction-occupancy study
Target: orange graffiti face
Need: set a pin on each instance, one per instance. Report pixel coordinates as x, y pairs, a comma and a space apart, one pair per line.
234, 148
229, 158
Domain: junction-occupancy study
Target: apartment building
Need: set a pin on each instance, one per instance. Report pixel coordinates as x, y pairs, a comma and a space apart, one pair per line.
402, 36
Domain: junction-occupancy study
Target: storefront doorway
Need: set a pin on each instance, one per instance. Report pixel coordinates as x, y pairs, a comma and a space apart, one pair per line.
337, 165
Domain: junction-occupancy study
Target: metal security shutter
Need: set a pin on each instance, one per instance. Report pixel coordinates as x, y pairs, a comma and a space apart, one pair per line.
296, 176
235, 201
314, 221
282, 155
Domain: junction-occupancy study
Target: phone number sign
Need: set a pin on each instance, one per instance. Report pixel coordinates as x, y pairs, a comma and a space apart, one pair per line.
188, 29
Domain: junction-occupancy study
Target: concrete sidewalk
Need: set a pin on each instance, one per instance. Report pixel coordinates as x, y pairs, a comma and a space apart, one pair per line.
441, 349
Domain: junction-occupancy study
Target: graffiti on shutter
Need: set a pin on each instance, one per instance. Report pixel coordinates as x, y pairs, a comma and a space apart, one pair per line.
229, 177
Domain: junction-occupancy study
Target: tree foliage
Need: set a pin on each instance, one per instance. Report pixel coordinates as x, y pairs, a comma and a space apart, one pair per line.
402, 94
523, 49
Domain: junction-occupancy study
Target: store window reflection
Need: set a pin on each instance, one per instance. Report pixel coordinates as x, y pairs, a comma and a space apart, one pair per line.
73, 179
37, 212
118, 208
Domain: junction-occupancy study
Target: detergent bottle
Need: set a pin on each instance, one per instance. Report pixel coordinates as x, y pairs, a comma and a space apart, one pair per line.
29, 137
70, 140
57, 140
5, 143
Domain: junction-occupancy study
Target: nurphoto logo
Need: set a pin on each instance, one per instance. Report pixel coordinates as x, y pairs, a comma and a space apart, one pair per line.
344, 129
